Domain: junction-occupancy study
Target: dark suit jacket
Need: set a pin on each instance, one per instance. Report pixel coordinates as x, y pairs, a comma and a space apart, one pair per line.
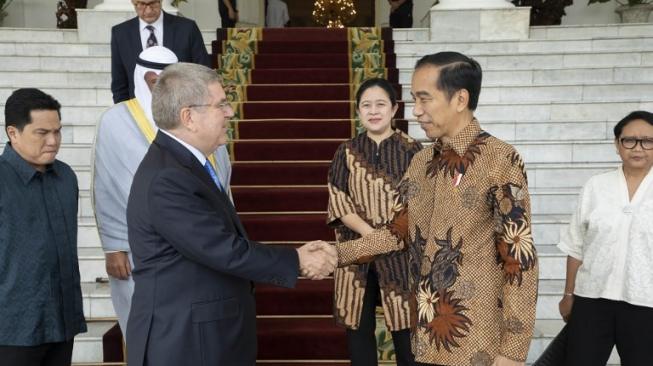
193, 303
180, 35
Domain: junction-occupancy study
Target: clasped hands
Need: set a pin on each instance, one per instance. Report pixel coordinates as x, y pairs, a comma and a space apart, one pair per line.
317, 259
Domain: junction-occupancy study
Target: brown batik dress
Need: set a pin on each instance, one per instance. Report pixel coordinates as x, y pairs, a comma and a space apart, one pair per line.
363, 179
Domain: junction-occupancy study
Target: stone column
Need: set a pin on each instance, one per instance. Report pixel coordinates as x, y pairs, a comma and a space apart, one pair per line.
94, 25
478, 20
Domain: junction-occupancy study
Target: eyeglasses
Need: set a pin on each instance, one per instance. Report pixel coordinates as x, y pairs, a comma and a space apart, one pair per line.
224, 106
631, 142
140, 5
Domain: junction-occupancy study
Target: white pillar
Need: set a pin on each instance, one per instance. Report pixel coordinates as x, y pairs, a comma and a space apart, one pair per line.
478, 20
473, 4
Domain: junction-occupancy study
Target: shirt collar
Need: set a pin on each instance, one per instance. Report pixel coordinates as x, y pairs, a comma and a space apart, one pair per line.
198, 154
395, 135
24, 170
464, 138
158, 24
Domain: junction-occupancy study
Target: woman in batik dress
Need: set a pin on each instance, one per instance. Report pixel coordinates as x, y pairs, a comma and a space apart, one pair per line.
363, 179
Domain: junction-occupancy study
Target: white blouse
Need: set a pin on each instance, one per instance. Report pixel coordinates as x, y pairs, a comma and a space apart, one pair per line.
613, 237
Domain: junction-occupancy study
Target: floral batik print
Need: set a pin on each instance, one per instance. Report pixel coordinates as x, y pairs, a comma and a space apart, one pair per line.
449, 321
446, 159
514, 240
438, 310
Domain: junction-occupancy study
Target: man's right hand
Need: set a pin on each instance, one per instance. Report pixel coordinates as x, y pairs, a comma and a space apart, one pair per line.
118, 265
317, 259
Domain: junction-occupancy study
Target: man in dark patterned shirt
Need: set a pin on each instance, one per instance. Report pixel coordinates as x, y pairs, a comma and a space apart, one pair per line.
40, 294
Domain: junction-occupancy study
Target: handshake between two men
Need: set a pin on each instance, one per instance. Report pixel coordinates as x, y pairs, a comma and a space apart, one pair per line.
317, 259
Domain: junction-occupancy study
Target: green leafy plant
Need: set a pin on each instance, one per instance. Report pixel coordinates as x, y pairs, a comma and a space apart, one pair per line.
3, 5
623, 3
176, 3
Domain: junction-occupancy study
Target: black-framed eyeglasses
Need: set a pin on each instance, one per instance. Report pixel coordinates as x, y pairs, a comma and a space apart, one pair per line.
224, 106
630, 142
151, 4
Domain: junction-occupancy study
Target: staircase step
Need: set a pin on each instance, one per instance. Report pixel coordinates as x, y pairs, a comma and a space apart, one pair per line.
279, 172
572, 92
287, 227
272, 92
591, 31
297, 61
306, 47
287, 150
275, 199
304, 76
301, 338
295, 109
61, 79
88, 346
304, 34
303, 129
529, 47
553, 112
307, 298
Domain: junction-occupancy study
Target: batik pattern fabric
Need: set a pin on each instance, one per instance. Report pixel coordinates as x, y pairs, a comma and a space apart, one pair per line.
463, 215
363, 179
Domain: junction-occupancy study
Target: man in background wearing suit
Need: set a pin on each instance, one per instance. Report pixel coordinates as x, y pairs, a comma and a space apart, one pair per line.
152, 27
193, 301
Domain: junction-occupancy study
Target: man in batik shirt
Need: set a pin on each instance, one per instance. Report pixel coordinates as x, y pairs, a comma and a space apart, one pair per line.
463, 212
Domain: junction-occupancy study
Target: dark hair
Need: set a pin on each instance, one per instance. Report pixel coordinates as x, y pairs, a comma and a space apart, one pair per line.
457, 72
22, 102
644, 115
381, 83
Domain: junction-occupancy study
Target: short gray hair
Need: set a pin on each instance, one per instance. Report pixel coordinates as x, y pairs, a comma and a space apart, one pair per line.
180, 85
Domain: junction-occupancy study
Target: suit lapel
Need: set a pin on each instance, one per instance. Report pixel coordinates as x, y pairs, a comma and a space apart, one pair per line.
136, 43
168, 31
187, 159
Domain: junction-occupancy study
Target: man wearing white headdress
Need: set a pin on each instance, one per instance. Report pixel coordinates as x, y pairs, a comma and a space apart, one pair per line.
123, 136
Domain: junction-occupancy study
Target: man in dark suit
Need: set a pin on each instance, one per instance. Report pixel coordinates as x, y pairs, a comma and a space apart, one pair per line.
193, 302
152, 27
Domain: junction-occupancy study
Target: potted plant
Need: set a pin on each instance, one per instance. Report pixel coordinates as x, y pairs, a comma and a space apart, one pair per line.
3, 5
631, 11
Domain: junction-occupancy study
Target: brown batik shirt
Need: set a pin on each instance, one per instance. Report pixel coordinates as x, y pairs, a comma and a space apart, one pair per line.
463, 212
363, 179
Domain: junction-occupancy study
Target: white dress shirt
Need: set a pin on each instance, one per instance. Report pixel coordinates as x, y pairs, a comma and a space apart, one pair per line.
613, 237
198, 154
145, 33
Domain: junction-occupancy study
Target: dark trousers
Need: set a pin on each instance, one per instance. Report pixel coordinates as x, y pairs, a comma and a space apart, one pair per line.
48, 354
226, 21
362, 341
402, 17
596, 325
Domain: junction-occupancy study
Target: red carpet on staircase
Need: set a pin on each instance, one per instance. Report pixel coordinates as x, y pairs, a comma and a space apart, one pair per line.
293, 92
